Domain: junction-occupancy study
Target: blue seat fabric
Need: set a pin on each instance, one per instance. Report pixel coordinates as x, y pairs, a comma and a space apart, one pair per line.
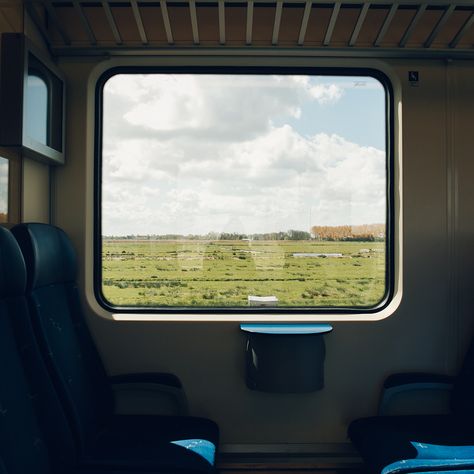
77, 372
384, 440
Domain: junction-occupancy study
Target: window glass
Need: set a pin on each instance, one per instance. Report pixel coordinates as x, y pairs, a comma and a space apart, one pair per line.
3, 190
234, 191
36, 117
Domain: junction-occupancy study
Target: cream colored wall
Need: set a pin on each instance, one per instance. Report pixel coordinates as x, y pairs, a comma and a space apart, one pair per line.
35, 202
428, 332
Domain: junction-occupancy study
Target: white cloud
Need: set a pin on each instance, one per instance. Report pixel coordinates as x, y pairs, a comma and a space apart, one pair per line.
183, 155
217, 106
275, 182
322, 93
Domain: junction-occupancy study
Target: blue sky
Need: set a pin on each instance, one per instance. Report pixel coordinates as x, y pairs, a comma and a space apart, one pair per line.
192, 154
357, 117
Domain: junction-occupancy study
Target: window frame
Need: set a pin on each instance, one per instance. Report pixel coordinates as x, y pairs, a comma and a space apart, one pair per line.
390, 261
18, 53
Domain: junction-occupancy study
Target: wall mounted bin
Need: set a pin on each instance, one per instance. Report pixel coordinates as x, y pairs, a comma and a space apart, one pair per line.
285, 358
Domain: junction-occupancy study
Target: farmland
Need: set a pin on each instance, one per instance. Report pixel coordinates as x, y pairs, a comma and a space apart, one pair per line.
223, 273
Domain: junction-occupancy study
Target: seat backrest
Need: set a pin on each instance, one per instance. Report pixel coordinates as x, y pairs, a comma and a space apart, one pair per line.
63, 337
462, 396
34, 432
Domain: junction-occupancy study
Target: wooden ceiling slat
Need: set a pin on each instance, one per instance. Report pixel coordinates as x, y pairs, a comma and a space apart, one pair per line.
166, 21
235, 24
386, 24
194, 23
180, 19
277, 22
153, 23
31, 10
290, 26
318, 22
439, 26
304, 22
208, 24
138, 20
248, 33
461, 33
221, 7
111, 22
97, 19
346, 22
263, 24
57, 23
358, 26
332, 23
412, 25
85, 22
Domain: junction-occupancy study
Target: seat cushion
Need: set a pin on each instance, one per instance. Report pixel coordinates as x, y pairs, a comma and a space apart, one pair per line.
177, 444
384, 440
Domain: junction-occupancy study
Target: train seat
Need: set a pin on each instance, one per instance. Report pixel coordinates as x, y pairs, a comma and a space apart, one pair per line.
35, 436
409, 443
174, 443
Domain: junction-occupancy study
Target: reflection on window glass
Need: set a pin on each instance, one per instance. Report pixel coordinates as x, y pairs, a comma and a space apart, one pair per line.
3, 190
222, 191
37, 108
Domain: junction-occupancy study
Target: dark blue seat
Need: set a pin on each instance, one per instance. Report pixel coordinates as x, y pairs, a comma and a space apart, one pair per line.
31, 418
35, 437
168, 443
422, 443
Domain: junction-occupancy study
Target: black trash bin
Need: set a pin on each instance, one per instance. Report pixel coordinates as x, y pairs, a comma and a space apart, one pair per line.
285, 358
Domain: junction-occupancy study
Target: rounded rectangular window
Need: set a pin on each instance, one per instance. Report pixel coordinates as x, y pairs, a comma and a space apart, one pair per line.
43, 105
244, 191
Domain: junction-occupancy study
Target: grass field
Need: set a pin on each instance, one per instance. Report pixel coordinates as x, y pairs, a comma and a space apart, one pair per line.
224, 273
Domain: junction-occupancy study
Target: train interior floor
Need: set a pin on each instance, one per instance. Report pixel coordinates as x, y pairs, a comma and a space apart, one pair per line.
255, 464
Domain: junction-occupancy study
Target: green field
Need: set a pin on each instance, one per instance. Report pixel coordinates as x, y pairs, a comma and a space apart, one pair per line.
224, 273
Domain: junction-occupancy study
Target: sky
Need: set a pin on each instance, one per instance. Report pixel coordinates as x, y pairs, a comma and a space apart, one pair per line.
192, 154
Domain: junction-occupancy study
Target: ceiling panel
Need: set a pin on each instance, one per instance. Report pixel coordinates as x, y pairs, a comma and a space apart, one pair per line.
377, 28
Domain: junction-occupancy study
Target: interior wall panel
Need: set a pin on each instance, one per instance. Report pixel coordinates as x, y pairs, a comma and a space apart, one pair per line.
422, 335
36, 192
462, 106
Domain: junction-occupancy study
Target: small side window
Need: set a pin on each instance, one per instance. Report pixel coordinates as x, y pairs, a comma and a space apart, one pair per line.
37, 107
3, 190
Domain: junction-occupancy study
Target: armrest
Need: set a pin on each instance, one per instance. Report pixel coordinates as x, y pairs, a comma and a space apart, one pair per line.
149, 393
397, 384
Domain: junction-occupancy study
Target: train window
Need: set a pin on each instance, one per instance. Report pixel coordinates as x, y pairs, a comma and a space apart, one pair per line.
242, 191
3, 190
43, 105
36, 114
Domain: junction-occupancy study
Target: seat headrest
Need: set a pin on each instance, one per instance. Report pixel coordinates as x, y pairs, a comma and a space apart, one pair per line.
48, 253
12, 266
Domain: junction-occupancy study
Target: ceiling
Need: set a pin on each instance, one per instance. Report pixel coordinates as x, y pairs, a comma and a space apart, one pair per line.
356, 28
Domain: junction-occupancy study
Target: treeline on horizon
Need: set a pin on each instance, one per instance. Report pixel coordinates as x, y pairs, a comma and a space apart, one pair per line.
356, 233
3, 217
